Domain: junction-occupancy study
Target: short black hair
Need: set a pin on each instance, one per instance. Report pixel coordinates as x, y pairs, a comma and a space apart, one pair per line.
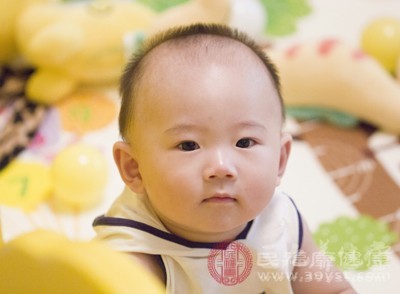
135, 67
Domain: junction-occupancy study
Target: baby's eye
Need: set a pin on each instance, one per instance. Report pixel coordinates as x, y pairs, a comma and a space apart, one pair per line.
245, 143
188, 146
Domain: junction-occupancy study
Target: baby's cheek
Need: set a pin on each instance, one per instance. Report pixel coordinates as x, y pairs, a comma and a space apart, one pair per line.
261, 189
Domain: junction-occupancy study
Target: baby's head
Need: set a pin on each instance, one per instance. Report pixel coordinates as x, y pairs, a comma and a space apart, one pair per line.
188, 45
201, 118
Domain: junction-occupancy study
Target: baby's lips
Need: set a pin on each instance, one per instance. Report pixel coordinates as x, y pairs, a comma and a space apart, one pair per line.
220, 197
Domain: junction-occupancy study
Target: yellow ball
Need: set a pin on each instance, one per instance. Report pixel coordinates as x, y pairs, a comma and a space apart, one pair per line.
381, 40
79, 176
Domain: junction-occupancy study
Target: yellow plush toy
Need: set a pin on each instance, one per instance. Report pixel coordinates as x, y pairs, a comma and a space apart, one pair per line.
77, 43
45, 262
333, 75
9, 13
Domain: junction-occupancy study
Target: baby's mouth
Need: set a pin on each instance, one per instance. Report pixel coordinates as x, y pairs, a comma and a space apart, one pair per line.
220, 198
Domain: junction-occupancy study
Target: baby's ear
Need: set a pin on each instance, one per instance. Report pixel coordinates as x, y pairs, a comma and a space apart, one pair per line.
286, 144
128, 166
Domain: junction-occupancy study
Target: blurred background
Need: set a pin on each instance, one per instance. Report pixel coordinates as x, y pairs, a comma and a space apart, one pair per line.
339, 63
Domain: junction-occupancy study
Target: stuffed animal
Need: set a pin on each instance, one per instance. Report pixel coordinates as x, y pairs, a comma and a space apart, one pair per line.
47, 262
77, 43
333, 75
9, 13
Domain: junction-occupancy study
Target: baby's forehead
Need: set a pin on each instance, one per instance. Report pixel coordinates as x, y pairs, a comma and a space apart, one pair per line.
202, 49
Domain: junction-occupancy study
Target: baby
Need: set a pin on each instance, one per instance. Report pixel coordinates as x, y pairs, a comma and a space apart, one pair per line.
202, 155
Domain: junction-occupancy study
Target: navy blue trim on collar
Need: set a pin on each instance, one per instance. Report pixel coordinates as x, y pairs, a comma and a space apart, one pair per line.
300, 225
123, 222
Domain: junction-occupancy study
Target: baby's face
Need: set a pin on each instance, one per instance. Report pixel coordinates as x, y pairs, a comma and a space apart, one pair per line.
208, 144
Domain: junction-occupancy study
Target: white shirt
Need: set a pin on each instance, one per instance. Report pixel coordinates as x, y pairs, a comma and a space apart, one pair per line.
260, 260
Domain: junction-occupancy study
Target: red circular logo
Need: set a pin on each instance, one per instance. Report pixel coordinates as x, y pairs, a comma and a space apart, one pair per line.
232, 265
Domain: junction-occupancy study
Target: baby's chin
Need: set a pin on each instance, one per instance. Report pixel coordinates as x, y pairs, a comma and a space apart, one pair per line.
217, 234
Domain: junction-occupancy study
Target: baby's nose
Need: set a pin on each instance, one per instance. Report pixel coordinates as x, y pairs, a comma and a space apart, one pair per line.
220, 166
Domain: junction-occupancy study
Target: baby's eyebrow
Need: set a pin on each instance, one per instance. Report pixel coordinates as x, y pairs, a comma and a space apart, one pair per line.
182, 128
251, 124
188, 127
